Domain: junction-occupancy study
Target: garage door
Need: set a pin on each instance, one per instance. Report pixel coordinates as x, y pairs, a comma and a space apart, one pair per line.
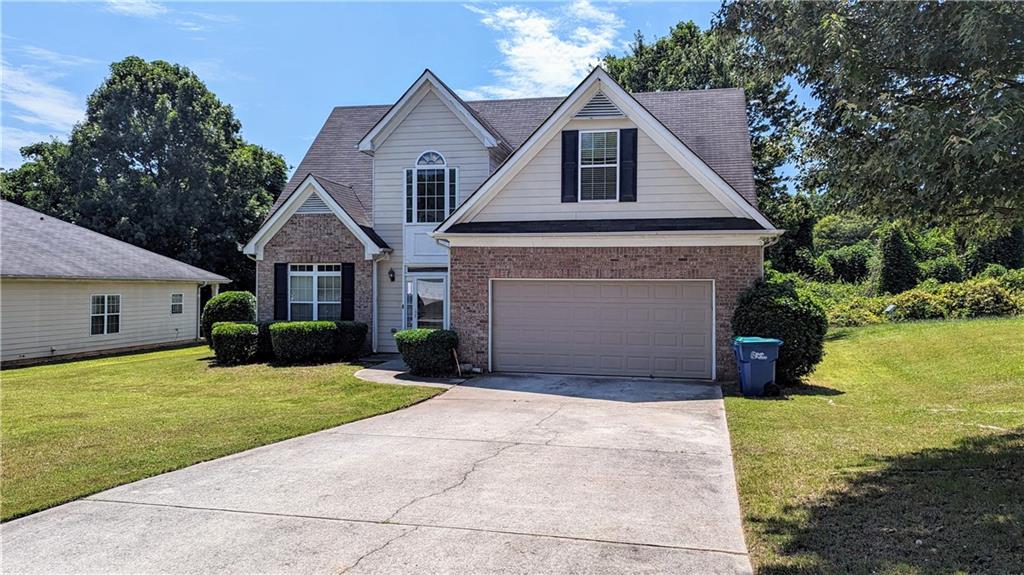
639, 328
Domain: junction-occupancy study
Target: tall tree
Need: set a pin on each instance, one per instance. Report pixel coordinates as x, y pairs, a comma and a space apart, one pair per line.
920, 104
692, 59
158, 162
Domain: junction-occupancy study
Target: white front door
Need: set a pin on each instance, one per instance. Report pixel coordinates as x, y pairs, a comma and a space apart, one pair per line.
426, 300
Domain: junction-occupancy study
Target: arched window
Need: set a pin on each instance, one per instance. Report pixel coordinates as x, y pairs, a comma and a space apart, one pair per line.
431, 189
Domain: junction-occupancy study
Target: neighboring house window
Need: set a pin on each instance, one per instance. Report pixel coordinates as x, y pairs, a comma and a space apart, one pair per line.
431, 190
106, 314
314, 292
177, 303
599, 165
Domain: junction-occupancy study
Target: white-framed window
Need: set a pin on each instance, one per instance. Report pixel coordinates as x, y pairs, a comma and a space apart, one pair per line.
599, 166
314, 292
431, 190
105, 314
177, 303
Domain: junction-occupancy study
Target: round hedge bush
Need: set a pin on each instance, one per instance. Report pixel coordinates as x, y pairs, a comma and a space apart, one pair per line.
978, 298
305, 341
428, 351
234, 343
228, 306
777, 309
944, 269
918, 304
850, 263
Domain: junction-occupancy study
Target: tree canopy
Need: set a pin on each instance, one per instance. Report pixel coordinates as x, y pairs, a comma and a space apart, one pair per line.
920, 105
158, 162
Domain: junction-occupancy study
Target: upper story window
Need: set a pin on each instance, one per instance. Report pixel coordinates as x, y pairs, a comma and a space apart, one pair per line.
431, 190
599, 165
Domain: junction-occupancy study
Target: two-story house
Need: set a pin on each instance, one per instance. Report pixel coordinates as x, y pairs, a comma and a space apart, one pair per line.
601, 233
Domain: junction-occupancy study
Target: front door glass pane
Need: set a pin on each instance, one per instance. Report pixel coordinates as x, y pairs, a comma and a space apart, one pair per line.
430, 303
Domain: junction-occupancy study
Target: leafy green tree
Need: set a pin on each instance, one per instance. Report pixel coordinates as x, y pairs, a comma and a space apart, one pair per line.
897, 268
158, 162
692, 59
920, 109
794, 252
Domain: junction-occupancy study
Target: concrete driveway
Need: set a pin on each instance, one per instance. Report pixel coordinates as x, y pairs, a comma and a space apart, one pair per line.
504, 474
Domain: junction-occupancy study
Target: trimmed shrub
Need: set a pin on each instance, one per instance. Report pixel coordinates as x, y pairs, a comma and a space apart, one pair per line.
351, 338
858, 311
305, 341
237, 306
266, 346
918, 304
945, 269
234, 343
850, 263
1013, 281
978, 299
993, 271
777, 309
428, 351
897, 270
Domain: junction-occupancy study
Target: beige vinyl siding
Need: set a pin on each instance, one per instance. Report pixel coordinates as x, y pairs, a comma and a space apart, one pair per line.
37, 315
429, 126
664, 188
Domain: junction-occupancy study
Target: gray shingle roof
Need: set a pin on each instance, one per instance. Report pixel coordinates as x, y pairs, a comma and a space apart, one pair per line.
712, 123
34, 245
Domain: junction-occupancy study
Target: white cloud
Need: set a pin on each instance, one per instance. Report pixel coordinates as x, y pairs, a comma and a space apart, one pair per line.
137, 8
13, 140
54, 58
32, 99
546, 53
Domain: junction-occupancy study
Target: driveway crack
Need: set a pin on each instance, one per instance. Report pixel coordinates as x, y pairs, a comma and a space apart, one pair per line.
377, 549
462, 480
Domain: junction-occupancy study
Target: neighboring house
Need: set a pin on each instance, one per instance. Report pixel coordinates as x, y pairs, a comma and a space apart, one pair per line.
67, 291
600, 233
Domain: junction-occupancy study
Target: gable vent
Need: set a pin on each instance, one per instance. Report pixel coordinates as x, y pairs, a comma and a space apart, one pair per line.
313, 205
600, 107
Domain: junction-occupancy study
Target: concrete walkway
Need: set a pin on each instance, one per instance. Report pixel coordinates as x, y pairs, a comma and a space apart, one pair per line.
503, 474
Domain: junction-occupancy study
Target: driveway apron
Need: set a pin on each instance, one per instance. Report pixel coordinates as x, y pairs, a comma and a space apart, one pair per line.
502, 474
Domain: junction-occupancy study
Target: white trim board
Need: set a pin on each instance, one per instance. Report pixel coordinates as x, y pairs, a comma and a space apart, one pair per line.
600, 81
426, 82
611, 239
308, 187
714, 310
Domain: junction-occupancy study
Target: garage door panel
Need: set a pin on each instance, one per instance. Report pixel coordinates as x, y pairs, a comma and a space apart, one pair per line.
660, 328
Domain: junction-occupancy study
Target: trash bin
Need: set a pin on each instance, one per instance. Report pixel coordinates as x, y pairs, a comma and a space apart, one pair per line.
755, 361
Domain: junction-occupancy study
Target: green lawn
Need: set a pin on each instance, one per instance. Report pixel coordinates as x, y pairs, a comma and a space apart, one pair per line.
72, 429
905, 454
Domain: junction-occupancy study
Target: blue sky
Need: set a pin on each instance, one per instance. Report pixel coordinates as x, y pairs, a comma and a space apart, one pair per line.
283, 66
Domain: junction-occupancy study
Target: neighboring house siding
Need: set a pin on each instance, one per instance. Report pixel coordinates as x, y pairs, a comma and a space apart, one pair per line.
37, 315
734, 269
664, 188
429, 126
314, 239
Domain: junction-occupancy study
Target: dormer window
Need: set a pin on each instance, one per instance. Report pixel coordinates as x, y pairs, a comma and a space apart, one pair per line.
431, 190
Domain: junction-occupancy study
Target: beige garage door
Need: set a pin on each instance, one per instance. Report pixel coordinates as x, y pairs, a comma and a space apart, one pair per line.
639, 328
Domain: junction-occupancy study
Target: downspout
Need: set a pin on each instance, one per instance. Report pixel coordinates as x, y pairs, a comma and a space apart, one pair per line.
199, 309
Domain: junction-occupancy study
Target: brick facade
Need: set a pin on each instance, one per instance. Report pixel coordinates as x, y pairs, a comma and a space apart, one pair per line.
315, 239
734, 268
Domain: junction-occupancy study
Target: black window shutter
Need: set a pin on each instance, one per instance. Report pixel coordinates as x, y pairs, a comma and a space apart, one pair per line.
348, 292
627, 165
281, 291
570, 169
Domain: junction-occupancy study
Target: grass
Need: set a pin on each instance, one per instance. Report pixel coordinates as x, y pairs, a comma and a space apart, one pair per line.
904, 454
73, 429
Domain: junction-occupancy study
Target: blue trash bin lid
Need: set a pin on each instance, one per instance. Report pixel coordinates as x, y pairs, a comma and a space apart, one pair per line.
764, 340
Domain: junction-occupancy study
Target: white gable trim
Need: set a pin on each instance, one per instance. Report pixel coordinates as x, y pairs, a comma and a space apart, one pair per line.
427, 82
599, 80
308, 187
759, 238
